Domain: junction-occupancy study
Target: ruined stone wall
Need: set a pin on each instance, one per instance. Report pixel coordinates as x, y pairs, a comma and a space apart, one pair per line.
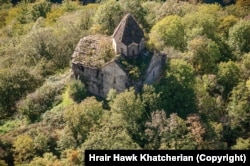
92, 77
100, 81
155, 68
114, 77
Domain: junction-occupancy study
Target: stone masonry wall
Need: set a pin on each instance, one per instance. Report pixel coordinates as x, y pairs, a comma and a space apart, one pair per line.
114, 77
155, 68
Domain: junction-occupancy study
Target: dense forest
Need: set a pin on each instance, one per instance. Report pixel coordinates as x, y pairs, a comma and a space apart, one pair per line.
202, 100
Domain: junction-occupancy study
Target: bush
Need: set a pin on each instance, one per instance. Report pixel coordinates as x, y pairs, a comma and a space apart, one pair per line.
3, 15
24, 149
40, 101
40, 9
14, 84
77, 90
82, 118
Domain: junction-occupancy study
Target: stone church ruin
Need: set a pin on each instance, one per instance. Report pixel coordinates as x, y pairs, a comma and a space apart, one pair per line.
119, 61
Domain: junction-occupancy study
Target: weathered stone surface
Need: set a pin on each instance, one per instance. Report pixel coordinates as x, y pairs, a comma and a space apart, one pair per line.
92, 49
114, 77
92, 77
155, 68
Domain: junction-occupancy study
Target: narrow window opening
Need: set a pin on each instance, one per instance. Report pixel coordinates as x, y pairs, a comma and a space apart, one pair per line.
82, 68
97, 73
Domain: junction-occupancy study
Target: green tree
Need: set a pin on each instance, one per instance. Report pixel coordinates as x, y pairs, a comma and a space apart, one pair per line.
107, 17
40, 101
151, 8
243, 3
66, 40
24, 15
112, 133
47, 159
14, 84
3, 16
24, 149
245, 65
228, 76
236, 10
226, 23
130, 107
238, 37
150, 98
204, 54
241, 144
5, 3
173, 7
239, 109
77, 90
83, 117
53, 15
176, 89
69, 5
110, 139
40, 9
3, 163
42, 143
202, 22
168, 32
6, 147
182, 71
66, 139
208, 97
213, 137
71, 157
43, 42
48, 48
87, 16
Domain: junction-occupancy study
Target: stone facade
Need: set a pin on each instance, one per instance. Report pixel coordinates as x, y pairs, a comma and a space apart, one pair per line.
114, 77
100, 81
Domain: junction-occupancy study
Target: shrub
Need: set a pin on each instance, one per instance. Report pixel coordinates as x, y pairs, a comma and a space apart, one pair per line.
40, 101
14, 84
77, 90
40, 9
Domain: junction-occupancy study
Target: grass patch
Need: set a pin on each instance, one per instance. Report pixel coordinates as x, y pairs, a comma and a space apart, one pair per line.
66, 99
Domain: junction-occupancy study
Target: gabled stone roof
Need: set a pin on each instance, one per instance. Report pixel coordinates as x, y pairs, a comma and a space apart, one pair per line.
128, 31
